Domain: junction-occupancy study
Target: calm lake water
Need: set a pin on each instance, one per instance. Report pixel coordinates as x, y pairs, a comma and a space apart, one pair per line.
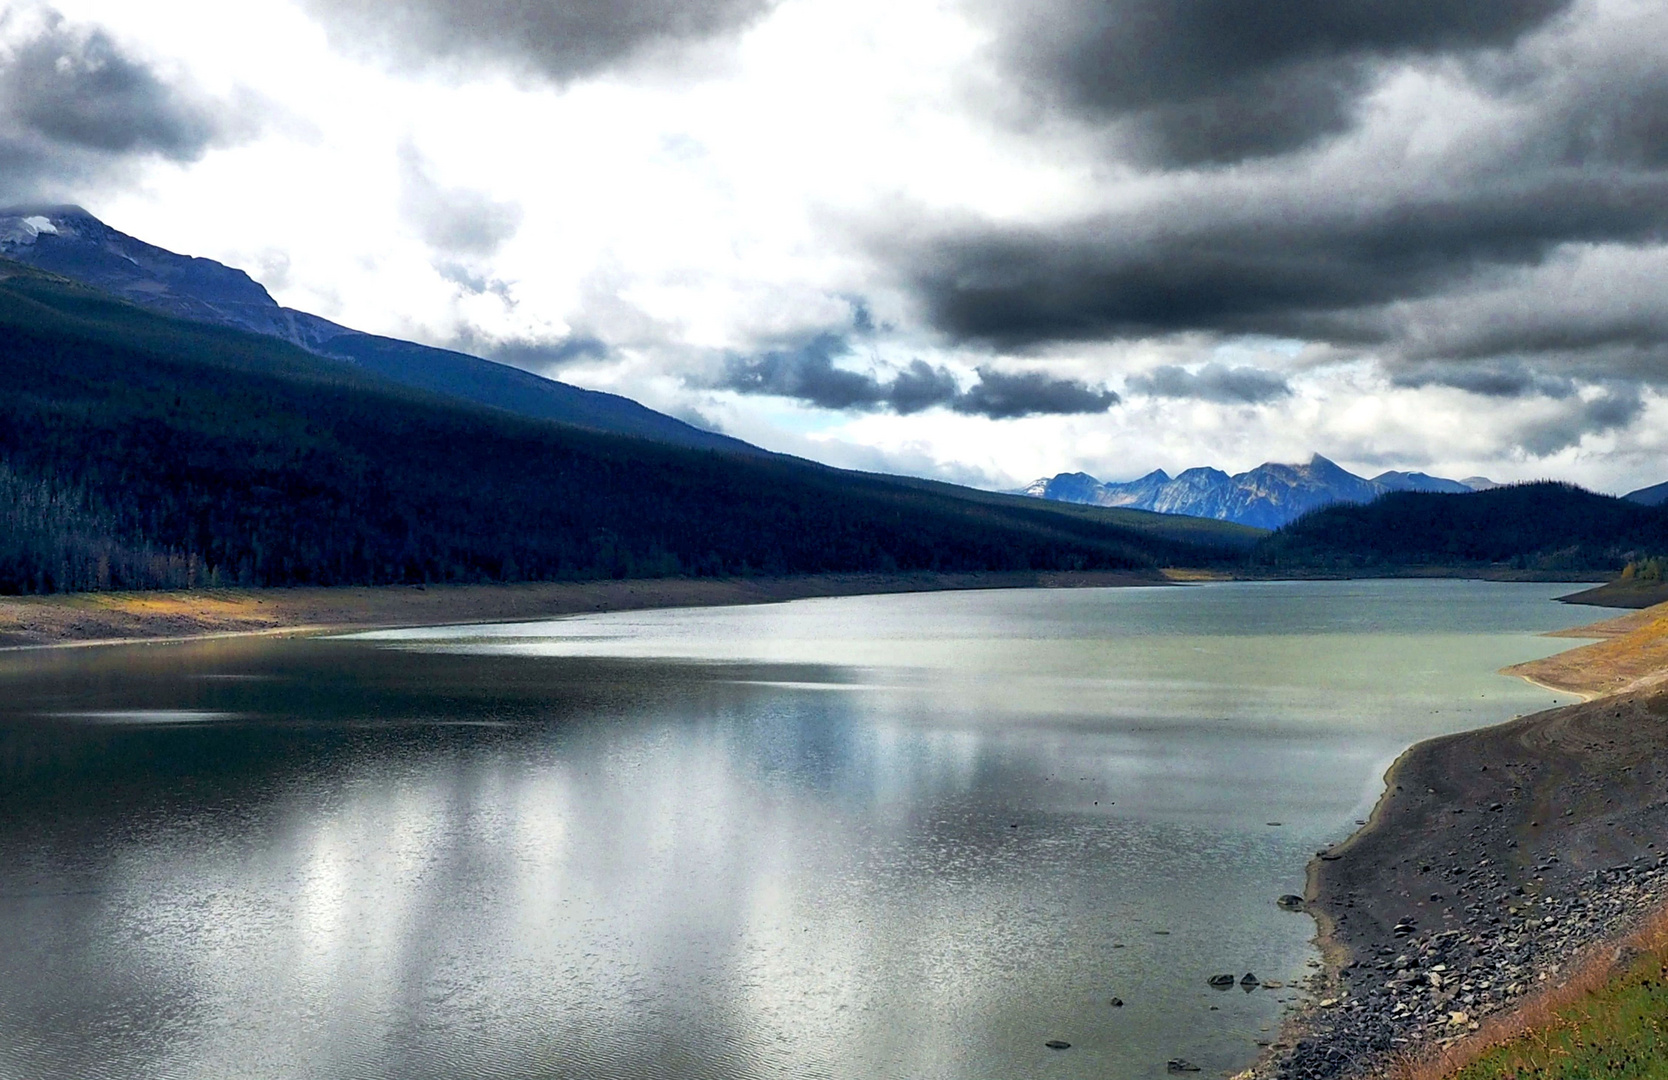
875, 837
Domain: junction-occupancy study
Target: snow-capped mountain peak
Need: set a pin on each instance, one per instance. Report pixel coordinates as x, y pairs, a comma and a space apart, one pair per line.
1267, 497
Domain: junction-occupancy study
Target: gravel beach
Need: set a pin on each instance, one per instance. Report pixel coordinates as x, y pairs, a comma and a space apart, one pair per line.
1494, 860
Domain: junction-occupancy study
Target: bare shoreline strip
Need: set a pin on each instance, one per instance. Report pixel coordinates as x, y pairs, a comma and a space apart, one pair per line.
1630, 655
1495, 861
88, 619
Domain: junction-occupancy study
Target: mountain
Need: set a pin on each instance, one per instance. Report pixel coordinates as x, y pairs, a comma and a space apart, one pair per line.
1211, 534
1655, 495
1266, 497
68, 241
1546, 527
1082, 488
138, 450
1418, 481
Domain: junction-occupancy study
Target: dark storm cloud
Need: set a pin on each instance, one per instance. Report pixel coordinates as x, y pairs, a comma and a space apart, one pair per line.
1213, 382
457, 221
1222, 80
75, 88
1598, 89
1546, 335
1618, 407
807, 373
1604, 405
1497, 379
1609, 336
1000, 395
921, 386
74, 107
1494, 223
1281, 268
559, 39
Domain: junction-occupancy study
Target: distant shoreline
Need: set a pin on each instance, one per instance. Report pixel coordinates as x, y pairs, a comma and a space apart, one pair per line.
88, 619
1597, 597
115, 618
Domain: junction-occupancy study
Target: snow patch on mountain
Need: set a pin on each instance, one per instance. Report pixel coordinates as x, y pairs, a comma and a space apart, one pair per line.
1267, 497
18, 230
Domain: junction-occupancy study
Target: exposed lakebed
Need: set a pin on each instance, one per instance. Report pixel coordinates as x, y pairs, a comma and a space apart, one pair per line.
918, 835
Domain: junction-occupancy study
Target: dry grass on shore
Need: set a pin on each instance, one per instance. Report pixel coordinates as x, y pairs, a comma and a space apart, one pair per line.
1631, 655
1604, 1019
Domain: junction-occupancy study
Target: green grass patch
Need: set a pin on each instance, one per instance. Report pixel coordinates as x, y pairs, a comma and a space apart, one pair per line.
1613, 1033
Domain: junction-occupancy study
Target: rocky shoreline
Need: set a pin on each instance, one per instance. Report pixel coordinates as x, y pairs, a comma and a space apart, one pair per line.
1494, 861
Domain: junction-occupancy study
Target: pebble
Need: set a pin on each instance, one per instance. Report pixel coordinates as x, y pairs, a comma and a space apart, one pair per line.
1483, 925
1440, 981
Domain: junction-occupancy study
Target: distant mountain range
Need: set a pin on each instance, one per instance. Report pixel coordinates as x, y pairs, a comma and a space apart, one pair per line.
68, 241
1266, 497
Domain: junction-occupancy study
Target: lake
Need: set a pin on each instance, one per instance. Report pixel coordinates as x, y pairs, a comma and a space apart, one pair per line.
868, 837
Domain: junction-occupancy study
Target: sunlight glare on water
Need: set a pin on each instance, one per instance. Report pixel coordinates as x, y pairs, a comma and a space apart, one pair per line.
864, 837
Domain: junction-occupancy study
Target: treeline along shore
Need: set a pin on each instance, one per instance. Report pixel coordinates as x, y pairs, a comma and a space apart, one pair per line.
1496, 863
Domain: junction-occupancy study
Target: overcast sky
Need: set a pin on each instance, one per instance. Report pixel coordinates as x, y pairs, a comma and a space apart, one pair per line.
985, 240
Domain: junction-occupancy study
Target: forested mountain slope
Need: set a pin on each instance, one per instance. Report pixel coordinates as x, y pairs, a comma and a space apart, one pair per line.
1541, 526
70, 242
137, 450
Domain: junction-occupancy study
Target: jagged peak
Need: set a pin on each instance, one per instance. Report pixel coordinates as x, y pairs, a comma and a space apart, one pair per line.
1321, 465
1267, 496
1201, 471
